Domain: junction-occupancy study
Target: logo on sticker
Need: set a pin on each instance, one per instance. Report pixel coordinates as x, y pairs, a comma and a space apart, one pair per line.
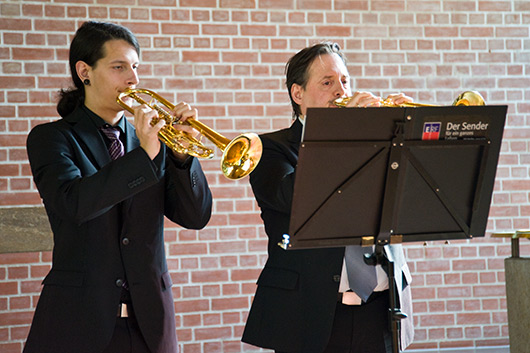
431, 131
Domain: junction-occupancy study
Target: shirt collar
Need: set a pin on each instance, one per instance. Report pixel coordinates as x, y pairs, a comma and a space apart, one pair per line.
301, 119
102, 123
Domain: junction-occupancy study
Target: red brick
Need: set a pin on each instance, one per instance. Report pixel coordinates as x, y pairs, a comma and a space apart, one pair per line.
435, 265
191, 320
217, 333
258, 30
220, 29
200, 56
230, 303
437, 320
314, 4
423, 293
333, 31
469, 265
489, 291
11, 82
276, 4
191, 306
245, 275
472, 318
18, 272
11, 347
16, 318
209, 276
188, 249
201, 3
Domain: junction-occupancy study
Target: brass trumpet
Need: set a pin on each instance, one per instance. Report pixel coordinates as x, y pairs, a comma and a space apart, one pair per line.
465, 98
240, 155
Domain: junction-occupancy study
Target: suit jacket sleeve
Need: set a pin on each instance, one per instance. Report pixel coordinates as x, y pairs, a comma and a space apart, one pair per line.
273, 179
188, 197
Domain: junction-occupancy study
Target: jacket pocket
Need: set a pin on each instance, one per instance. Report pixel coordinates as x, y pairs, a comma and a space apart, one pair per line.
64, 278
278, 277
166, 281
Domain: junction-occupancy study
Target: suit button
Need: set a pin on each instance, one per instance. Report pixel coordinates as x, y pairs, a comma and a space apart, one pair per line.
336, 278
119, 282
125, 241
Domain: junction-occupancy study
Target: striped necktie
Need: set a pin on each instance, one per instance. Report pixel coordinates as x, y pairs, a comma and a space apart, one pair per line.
116, 146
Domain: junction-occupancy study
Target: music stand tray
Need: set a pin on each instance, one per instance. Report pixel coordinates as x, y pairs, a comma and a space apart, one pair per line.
389, 175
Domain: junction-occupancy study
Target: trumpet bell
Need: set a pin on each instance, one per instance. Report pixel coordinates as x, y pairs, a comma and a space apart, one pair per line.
241, 156
469, 98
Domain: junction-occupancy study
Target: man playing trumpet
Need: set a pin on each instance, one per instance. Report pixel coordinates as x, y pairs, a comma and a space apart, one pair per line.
306, 300
107, 187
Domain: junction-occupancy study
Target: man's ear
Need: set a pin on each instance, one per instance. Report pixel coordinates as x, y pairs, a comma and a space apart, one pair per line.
297, 92
83, 70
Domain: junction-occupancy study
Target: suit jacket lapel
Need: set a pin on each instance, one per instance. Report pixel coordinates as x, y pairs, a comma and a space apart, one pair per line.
88, 134
131, 140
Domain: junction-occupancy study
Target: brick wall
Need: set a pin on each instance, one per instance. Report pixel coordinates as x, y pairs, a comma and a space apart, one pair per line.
226, 57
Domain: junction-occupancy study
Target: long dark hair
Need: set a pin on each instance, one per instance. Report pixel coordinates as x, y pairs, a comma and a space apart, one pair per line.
87, 46
297, 68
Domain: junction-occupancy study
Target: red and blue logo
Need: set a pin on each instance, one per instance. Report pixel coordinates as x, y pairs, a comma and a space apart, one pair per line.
431, 131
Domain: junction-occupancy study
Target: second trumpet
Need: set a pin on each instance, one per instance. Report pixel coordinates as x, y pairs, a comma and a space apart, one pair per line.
240, 155
465, 98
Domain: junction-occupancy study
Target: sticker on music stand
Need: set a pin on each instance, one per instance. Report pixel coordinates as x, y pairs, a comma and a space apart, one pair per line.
431, 131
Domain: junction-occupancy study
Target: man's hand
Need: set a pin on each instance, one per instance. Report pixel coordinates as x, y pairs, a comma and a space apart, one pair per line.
367, 99
364, 99
183, 112
398, 98
147, 133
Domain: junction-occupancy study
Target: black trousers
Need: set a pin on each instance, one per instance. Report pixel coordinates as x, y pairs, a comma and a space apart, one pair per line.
127, 337
361, 328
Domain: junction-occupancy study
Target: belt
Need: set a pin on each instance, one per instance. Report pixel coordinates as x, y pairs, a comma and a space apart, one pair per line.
350, 298
125, 310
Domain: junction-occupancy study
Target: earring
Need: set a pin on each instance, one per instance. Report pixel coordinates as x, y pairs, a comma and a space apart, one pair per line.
86, 81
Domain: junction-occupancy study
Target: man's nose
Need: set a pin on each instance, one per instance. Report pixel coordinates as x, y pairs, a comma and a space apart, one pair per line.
133, 79
341, 91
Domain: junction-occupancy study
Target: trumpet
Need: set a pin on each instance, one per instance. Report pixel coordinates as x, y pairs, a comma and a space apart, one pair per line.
466, 98
240, 155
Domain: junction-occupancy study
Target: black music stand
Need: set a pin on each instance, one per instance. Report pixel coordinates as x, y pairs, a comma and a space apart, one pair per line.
379, 176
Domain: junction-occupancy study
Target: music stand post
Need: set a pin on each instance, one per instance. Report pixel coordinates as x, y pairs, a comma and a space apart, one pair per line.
517, 286
395, 315
419, 174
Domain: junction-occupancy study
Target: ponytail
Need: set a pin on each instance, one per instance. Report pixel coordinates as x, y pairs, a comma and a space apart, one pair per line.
69, 100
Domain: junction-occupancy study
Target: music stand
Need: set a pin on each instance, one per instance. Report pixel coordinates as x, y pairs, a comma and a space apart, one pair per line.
379, 176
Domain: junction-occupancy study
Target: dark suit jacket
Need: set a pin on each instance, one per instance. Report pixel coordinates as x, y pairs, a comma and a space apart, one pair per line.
107, 220
295, 301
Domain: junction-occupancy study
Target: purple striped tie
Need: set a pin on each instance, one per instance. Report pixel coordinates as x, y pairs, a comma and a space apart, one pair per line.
116, 146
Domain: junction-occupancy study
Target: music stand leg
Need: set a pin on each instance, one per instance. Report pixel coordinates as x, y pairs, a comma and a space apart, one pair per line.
394, 312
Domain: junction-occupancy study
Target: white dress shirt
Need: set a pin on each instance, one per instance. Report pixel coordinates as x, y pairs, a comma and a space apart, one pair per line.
354, 299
